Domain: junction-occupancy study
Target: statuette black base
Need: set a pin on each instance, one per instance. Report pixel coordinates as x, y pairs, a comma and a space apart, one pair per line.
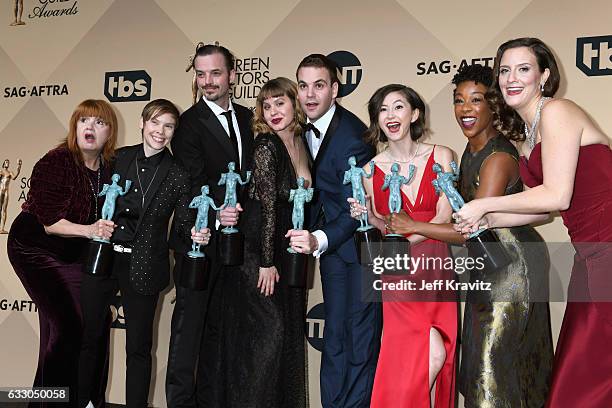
98, 258
368, 244
194, 273
295, 266
486, 245
231, 249
393, 245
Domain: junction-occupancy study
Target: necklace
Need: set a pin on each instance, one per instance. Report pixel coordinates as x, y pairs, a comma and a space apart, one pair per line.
95, 191
416, 151
530, 134
144, 191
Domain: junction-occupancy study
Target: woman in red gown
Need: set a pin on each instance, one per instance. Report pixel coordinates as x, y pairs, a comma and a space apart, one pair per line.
419, 341
567, 162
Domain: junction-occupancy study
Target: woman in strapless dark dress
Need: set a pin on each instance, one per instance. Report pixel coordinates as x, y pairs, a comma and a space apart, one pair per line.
567, 162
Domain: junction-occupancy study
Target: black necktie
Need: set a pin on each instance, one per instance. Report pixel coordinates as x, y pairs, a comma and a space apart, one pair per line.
233, 138
309, 126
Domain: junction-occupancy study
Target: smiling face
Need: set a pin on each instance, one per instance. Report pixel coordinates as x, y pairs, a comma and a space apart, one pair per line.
395, 116
157, 132
91, 134
278, 112
472, 111
316, 93
213, 78
520, 77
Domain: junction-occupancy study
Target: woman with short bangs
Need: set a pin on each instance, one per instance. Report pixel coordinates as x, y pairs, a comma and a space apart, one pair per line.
264, 352
47, 238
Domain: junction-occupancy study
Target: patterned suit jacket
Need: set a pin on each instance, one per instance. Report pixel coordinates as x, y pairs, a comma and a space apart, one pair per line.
171, 194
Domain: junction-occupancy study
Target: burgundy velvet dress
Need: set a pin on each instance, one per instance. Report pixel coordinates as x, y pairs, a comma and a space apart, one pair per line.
402, 373
49, 266
582, 371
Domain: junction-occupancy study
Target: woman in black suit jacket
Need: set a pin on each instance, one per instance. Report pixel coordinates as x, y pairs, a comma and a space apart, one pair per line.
160, 187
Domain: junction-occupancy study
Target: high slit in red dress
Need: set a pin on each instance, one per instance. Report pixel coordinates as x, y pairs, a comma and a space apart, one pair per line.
402, 373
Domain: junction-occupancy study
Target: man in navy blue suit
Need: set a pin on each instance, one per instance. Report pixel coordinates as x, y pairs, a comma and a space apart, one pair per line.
352, 327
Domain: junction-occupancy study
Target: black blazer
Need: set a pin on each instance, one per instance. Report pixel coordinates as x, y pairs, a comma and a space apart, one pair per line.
170, 193
201, 145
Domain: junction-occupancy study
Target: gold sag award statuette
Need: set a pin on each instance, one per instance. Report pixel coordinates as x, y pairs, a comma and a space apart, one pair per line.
18, 12
5, 180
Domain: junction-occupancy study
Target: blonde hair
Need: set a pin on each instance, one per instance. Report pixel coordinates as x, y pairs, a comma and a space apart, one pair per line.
280, 86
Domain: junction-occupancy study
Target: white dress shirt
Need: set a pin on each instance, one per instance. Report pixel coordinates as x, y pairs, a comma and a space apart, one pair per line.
314, 144
218, 111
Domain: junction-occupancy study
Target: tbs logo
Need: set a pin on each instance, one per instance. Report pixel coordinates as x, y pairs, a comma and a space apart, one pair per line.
350, 71
315, 323
594, 55
127, 86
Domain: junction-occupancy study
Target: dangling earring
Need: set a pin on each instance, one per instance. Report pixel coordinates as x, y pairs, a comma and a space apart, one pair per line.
541, 87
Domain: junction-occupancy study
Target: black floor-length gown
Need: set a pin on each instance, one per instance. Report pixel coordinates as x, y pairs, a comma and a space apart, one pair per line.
263, 349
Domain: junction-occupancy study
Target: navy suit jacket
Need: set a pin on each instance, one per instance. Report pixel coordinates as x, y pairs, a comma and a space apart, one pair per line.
343, 139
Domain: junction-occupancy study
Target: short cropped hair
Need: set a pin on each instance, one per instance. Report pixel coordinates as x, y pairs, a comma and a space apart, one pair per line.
320, 61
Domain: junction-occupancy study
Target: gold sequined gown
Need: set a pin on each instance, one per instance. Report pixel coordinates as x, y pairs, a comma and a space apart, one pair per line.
507, 350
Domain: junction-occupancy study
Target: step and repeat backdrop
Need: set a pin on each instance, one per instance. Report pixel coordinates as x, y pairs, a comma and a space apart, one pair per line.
55, 53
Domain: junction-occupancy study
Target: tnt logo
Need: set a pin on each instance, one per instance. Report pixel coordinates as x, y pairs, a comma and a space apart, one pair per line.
315, 323
117, 312
127, 86
350, 71
594, 55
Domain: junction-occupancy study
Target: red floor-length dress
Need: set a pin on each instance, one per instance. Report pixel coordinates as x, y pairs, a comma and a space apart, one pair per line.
582, 371
402, 373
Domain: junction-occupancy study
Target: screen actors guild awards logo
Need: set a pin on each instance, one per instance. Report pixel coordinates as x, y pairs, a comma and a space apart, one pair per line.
6, 176
18, 12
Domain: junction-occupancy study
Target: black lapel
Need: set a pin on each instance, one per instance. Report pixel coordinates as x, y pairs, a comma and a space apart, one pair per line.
212, 123
123, 163
244, 124
331, 130
305, 141
160, 176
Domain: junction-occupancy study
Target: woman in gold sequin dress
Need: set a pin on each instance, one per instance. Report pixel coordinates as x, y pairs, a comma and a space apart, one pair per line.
507, 348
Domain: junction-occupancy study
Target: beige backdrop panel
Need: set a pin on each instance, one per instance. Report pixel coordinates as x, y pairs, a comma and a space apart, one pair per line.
391, 39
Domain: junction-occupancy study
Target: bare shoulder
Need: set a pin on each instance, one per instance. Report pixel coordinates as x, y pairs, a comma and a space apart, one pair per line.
556, 109
379, 157
443, 154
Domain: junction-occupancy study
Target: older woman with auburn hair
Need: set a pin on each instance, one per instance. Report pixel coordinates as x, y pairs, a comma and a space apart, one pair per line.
46, 239
263, 342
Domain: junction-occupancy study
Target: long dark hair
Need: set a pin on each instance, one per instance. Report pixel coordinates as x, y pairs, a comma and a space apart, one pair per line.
506, 120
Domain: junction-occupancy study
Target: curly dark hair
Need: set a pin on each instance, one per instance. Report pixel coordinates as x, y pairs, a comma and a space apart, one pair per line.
507, 121
476, 73
374, 134
484, 75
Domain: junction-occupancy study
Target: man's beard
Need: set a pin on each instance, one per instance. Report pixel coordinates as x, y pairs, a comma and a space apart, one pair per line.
214, 95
